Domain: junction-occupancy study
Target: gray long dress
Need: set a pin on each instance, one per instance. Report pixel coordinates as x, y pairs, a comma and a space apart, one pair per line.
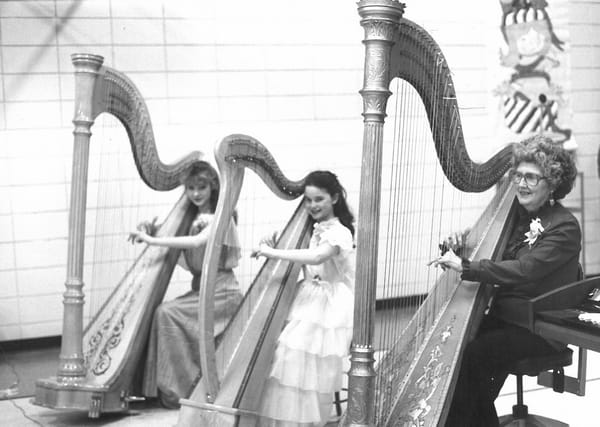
173, 362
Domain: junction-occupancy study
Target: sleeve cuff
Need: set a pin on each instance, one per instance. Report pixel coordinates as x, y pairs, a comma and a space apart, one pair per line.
470, 270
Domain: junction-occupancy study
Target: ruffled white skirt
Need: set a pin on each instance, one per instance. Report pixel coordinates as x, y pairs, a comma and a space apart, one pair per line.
307, 366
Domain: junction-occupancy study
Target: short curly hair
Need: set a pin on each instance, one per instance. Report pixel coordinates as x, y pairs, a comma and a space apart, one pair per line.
556, 163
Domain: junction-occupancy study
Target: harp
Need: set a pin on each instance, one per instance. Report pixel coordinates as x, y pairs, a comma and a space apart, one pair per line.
412, 382
98, 365
228, 394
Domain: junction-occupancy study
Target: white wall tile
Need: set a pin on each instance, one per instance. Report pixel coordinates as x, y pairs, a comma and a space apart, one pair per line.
189, 9
27, 59
47, 171
299, 58
185, 111
7, 255
30, 31
291, 82
192, 84
146, 9
85, 31
7, 233
19, 8
9, 311
243, 109
83, 8
244, 57
291, 108
241, 84
11, 332
139, 58
190, 31
8, 284
40, 253
28, 87
41, 226
38, 281
24, 115
192, 58
5, 205
137, 31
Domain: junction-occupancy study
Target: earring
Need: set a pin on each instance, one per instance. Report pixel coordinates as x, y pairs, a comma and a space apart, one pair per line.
551, 199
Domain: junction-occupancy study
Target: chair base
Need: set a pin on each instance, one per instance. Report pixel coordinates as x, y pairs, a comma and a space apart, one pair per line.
529, 421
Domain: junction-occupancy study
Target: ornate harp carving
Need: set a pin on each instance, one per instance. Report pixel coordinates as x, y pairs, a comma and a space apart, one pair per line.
234, 372
97, 366
414, 379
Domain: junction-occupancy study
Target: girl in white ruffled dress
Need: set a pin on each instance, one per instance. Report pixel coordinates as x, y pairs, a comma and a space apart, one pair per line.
307, 365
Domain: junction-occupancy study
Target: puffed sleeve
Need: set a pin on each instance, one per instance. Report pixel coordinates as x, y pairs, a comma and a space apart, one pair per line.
231, 246
339, 236
557, 245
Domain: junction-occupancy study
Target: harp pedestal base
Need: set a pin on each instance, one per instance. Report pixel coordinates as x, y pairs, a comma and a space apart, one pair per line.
54, 394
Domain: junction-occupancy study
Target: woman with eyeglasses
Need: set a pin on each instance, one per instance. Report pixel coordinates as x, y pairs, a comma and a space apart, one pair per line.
542, 254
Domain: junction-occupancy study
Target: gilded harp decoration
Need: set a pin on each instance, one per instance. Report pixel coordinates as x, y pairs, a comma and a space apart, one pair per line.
411, 384
98, 364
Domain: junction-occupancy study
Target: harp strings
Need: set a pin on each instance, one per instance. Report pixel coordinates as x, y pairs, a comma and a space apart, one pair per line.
418, 211
118, 206
259, 214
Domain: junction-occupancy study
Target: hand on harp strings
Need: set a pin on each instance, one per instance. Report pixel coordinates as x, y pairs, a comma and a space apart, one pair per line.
266, 242
448, 260
451, 250
143, 230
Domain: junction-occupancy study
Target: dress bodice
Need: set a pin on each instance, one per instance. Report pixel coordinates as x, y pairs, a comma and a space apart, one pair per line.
341, 267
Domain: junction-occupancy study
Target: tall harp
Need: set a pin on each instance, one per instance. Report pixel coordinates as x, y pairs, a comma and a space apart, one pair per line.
98, 366
411, 383
234, 371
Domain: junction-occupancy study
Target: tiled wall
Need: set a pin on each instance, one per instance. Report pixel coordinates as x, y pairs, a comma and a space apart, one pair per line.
287, 73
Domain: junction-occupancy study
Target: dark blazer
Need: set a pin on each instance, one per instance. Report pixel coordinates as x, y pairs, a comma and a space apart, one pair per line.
527, 271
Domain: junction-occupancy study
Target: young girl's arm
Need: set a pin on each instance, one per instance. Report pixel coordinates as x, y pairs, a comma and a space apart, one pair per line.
177, 242
311, 256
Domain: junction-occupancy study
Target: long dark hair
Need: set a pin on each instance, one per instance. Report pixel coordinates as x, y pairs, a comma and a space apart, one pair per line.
329, 182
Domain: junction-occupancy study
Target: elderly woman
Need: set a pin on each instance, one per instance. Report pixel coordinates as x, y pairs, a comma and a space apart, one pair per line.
541, 255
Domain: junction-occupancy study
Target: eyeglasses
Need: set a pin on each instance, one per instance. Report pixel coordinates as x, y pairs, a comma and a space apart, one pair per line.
531, 179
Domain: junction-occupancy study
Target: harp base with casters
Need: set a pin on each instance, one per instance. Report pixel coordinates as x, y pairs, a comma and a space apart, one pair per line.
115, 339
55, 394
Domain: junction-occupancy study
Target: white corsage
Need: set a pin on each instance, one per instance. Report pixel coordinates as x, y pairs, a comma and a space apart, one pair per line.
535, 231
201, 222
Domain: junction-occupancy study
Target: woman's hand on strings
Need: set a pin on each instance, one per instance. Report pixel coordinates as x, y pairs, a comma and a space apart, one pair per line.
143, 232
448, 260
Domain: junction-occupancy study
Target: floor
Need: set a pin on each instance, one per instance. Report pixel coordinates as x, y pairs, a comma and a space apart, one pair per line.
19, 370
